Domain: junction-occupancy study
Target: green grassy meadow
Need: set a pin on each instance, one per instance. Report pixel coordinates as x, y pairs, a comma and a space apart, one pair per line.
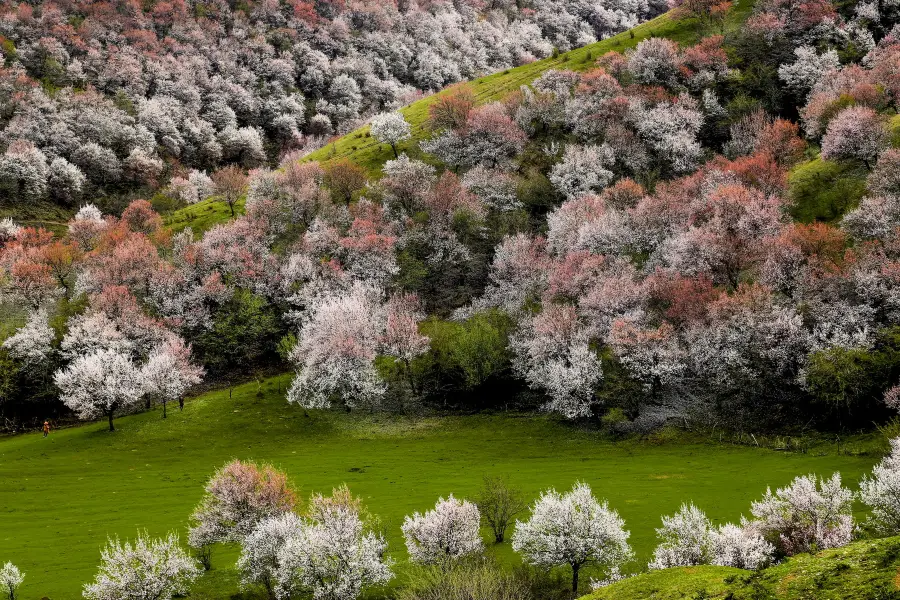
65, 494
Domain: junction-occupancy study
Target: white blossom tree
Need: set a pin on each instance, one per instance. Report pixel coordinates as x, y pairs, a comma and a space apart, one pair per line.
156, 569
583, 170
809, 514
336, 351
803, 74
552, 352
881, 492
857, 132
104, 382
688, 538
10, 580
32, 343
444, 534
390, 128
337, 557
573, 529
259, 562
740, 547
168, 372
684, 539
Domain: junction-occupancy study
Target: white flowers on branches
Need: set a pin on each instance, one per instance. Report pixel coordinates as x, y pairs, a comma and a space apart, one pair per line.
156, 569
331, 554
573, 529
687, 538
390, 128
881, 492
810, 514
448, 532
10, 580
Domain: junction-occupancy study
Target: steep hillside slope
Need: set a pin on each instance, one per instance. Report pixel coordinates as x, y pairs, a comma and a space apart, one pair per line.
359, 147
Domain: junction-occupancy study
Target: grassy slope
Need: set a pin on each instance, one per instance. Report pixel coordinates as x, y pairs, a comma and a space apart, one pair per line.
202, 216
866, 570
359, 147
37, 214
823, 190
65, 494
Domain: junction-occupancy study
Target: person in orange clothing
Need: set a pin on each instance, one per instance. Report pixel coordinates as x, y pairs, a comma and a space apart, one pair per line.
46, 428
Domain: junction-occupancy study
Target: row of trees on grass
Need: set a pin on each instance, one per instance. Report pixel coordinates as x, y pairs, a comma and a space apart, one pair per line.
330, 547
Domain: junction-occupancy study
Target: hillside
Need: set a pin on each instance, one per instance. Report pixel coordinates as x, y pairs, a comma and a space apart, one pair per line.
865, 570
82, 484
359, 147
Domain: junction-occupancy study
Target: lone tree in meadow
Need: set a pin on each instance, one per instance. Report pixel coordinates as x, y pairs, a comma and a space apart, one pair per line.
445, 534
390, 128
10, 580
499, 504
230, 184
104, 382
573, 529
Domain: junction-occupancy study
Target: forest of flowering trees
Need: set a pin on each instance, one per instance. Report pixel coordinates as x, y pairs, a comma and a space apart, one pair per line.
113, 99
615, 242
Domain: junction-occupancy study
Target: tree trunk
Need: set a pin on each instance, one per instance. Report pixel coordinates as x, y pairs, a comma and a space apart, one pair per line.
231, 207
110, 416
575, 579
181, 404
394, 148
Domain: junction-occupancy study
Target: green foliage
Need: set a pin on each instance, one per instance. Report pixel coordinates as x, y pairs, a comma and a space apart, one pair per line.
850, 379
9, 371
465, 355
822, 190
243, 335
286, 345
840, 376
478, 578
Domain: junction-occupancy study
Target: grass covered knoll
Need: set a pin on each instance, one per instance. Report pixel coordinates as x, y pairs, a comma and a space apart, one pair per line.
359, 147
202, 216
67, 493
865, 570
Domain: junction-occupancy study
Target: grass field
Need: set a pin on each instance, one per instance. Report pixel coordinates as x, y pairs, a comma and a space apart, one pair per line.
64, 495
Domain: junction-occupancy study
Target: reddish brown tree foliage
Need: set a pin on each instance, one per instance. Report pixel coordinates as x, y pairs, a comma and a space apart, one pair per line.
343, 177
231, 184
451, 109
